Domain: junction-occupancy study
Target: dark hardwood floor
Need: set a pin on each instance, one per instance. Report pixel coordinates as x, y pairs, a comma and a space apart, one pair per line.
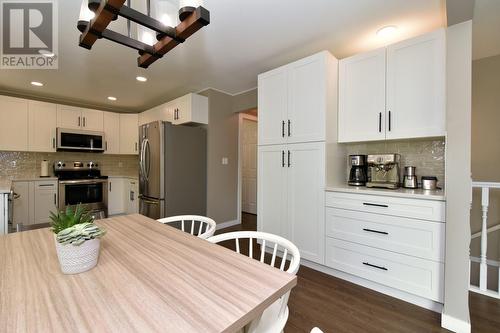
335, 305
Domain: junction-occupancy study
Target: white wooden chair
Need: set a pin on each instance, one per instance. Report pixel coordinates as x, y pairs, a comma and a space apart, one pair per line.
201, 226
316, 330
274, 318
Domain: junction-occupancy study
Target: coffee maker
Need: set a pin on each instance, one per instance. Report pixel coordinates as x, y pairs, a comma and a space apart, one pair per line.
383, 171
357, 175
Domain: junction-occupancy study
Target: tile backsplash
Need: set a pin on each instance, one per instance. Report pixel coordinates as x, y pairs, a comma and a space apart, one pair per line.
26, 165
428, 155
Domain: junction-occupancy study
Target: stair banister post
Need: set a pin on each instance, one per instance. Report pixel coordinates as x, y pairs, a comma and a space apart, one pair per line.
483, 272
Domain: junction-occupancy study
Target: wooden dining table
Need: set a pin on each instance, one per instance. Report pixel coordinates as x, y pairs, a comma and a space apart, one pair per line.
150, 278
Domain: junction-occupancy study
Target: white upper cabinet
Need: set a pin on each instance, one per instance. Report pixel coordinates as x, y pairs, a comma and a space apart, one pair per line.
129, 134
92, 120
112, 132
362, 97
13, 124
293, 101
69, 117
396, 92
416, 87
79, 118
273, 104
42, 122
191, 108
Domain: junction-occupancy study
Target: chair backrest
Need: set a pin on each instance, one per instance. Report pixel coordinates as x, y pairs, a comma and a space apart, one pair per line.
278, 245
200, 226
316, 330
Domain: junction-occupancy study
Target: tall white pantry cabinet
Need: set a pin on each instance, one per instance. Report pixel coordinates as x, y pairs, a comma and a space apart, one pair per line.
297, 106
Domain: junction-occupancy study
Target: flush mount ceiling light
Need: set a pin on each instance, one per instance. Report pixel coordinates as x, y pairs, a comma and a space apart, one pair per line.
36, 84
111, 98
387, 31
157, 31
141, 79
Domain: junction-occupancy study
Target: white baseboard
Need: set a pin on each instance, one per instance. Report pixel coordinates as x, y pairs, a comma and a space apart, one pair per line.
227, 224
407, 297
455, 325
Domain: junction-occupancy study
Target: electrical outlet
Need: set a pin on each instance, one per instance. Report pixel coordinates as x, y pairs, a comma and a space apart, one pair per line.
225, 161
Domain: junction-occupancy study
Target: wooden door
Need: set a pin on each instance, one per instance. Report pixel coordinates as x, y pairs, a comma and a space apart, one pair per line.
273, 104
307, 99
69, 117
112, 132
42, 118
271, 189
249, 166
13, 124
362, 97
306, 199
416, 87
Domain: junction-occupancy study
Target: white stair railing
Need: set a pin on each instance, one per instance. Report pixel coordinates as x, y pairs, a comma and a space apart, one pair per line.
483, 260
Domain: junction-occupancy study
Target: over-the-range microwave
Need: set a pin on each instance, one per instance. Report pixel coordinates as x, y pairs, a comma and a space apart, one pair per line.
80, 140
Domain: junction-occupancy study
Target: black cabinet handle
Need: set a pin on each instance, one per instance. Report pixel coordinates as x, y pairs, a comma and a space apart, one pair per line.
376, 231
289, 163
110, 185
84, 122
283, 158
53, 142
79, 122
283, 129
55, 199
289, 130
375, 266
374, 205
390, 121
380, 122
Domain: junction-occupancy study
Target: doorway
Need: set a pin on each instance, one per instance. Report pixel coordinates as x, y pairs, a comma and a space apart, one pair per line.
247, 161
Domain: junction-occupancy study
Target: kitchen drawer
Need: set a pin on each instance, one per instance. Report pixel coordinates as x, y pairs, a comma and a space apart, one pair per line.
417, 238
413, 208
413, 275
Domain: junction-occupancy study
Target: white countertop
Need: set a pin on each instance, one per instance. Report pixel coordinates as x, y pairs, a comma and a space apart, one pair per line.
438, 195
34, 179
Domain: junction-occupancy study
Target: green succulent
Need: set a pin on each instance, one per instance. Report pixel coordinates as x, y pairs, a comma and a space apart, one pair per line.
79, 233
66, 219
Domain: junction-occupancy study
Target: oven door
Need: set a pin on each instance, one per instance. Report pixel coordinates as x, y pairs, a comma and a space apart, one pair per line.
91, 193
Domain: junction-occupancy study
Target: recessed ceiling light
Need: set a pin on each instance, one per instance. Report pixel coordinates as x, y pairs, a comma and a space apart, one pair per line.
387, 31
111, 98
141, 79
36, 83
46, 53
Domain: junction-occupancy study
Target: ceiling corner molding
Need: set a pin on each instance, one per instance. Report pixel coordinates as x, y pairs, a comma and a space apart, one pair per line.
458, 11
225, 92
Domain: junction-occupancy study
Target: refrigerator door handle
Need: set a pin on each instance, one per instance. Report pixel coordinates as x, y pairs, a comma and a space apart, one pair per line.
147, 155
141, 159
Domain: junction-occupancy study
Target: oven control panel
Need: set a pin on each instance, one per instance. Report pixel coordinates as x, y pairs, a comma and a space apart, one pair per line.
75, 166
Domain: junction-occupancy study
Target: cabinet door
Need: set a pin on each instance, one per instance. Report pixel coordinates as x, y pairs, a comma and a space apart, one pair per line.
116, 196
181, 110
271, 190
21, 208
92, 120
132, 197
45, 200
42, 126
362, 97
273, 104
129, 134
13, 123
416, 87
69, 117
306, 199
112, 132
307, 99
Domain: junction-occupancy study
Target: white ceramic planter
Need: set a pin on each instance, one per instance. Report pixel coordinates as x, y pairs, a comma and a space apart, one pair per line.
77, 259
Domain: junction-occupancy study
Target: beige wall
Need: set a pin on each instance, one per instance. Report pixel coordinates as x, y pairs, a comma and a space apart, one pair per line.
486, 156
245, 101
26, 165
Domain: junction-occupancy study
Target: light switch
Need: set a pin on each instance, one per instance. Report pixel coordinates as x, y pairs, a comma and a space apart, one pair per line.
225, 161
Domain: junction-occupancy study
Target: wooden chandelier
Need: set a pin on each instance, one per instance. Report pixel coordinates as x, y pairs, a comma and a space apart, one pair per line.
191, 20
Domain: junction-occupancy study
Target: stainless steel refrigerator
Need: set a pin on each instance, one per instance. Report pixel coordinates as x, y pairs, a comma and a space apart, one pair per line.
172, 170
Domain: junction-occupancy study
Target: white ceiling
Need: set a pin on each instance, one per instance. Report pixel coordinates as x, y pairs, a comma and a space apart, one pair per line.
485, 29
244, 38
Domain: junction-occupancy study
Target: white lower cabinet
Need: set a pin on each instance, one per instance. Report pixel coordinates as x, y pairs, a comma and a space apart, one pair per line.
122, 196
132, 200
33, 201
291, 183
397, 242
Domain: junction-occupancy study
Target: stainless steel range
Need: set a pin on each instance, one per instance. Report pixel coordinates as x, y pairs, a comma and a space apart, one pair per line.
82, 183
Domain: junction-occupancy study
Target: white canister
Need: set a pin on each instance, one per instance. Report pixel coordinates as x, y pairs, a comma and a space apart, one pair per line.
44, 168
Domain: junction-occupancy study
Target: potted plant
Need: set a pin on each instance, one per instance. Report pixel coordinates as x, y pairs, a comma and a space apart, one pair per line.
77, 239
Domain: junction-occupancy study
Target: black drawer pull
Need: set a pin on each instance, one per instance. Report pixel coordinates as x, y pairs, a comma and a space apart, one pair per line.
374, 205
376, 231
375, 266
